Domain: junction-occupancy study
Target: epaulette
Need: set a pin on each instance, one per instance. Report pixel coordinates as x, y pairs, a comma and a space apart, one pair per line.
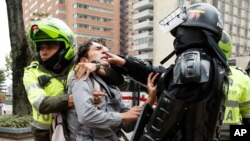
34, 64
240, 69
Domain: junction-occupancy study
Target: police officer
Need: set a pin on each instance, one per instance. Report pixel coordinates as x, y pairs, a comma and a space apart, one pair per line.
45, 78
248, 69
238, 99
191, 92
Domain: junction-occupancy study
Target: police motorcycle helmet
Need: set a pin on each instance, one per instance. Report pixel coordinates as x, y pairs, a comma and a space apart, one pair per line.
225, 44
53, 30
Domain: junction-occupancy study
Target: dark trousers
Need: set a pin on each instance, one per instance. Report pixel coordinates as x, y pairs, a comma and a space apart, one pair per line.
40, 135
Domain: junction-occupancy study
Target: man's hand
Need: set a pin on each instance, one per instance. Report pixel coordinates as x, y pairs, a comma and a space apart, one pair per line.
151, 88
97, 97
132, 114
83, 69
115, 59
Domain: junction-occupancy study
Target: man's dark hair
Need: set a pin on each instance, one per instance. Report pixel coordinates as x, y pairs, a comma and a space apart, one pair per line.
83, 49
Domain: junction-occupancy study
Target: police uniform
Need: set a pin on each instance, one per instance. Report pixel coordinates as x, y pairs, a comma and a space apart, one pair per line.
191, 92
237, 102
45, 80
44, 100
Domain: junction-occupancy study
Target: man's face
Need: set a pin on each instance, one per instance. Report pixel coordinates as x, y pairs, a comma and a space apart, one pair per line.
97, 52
47, 49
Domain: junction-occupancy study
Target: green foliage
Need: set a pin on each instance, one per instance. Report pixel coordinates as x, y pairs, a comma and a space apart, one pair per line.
2, 76
15, 121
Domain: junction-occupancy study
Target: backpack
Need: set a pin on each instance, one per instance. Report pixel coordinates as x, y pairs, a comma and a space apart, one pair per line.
59, 127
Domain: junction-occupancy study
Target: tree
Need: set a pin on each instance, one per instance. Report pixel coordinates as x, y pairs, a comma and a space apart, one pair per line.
20, 56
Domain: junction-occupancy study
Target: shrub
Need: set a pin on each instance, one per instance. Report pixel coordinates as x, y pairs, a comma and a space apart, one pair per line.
15, 121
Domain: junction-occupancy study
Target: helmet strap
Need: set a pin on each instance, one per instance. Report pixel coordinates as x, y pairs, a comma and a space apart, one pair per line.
54, 63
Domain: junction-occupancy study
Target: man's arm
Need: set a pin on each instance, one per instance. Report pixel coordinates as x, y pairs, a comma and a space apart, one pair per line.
133, 67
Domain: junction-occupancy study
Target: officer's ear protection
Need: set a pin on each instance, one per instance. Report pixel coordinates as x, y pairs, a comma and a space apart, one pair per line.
62, 55
44, 80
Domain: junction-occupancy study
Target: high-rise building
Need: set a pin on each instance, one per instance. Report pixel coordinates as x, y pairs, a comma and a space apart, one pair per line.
236, 17
127, 31
87, 18
143, 29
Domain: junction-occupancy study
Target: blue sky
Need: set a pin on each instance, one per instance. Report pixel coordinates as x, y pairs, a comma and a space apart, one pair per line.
4, 34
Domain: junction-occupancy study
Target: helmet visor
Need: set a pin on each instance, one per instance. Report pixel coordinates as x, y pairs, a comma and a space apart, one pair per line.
175, 18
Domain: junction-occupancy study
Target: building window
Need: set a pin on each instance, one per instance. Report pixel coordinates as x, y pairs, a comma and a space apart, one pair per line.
90, 17
192, 1
180, 2
61, 1
237, 49
232, 62
60, 11
94, 8
106, 1
93, 27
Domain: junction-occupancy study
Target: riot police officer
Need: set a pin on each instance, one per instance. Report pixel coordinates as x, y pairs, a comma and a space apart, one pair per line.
191, 92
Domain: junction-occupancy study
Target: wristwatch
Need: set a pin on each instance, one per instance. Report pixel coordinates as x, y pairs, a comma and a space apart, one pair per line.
98, 65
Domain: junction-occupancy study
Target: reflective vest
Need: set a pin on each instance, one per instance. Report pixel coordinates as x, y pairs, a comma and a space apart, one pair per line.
237, 102
36, 93
238, 98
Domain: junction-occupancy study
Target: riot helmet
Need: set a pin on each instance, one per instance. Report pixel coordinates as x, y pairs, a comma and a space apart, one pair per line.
199, 25
225, 44
199, 15
205, 16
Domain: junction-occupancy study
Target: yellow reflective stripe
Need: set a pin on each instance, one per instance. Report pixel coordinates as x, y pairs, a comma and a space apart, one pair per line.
231, 103
33, 87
